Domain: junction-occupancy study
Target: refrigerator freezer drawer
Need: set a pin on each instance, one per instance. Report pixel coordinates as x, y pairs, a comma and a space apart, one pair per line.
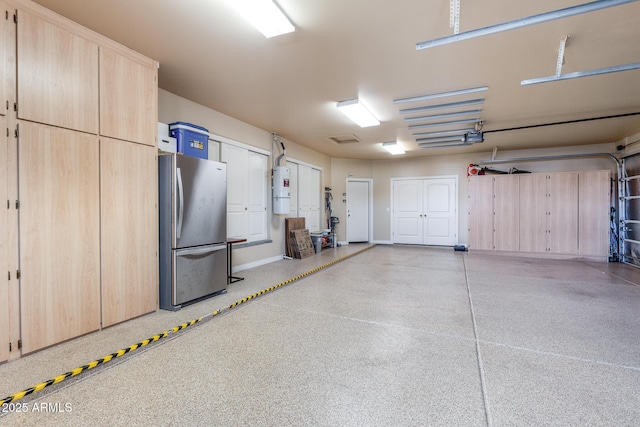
198, 272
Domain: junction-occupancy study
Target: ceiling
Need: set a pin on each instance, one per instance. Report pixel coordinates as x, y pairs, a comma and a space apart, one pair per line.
366, 49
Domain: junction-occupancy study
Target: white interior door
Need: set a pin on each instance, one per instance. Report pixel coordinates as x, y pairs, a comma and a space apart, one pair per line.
440, 213
407, 211
358, 204
425, 211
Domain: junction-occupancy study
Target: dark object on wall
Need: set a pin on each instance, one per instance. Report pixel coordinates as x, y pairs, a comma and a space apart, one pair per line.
460, 248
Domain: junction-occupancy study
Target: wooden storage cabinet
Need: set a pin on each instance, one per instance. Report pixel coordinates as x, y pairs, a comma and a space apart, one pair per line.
128, 98
562, 218
594, 208
533, 212
506, 213
59, 235
57, 75
83, 264
481, 213
4, 248
4, 47
561, 213
129, 234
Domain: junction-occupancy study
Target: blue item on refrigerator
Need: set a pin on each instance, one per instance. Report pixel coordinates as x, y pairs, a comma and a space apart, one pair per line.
192, 140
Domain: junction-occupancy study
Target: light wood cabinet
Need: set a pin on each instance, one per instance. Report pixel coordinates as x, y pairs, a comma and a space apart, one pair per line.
57, 75
562, 221
128, 98
533, 212
4, 249
129, 225
81, 262
480, 213
594, 201
506, 210
4, 47
59, 234
560, 213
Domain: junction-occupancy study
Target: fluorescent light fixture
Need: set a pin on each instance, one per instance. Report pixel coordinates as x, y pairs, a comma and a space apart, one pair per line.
393, 147
567, 76
264, 15
442, 106
441, 95
523, 22
442, 116
444, 133
455, 122
358, 113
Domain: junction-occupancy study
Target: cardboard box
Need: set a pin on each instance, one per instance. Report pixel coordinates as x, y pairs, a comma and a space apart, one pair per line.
301, 244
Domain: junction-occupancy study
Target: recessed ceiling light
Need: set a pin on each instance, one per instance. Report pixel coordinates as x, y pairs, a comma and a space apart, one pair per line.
357, 112
264, 15
393, 147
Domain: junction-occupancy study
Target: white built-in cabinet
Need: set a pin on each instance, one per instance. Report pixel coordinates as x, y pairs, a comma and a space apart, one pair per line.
247, 186
308, 183
560, 213
78, 242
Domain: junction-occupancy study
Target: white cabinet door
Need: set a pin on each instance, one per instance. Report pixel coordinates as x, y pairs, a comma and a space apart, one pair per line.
425, 211
358, 211
257, 197
313, 222
440, 224
293, 188
4, 47
237, 160
407, 212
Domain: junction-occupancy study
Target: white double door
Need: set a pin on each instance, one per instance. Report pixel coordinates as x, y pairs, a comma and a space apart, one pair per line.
425, 211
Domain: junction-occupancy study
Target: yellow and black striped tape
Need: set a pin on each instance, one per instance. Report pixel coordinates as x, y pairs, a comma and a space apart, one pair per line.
131, 348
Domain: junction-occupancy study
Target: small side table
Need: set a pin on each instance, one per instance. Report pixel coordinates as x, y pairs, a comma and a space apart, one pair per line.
230, 278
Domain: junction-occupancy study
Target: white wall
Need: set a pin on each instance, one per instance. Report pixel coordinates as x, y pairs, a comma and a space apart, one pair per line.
172, 108
382, 171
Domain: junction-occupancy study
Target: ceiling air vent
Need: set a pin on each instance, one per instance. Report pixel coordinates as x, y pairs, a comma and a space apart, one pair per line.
344, 139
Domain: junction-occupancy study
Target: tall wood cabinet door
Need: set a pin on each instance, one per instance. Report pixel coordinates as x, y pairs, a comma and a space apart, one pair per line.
533, 212
257, 197
129, 228
4, 47
128, 98
57, 75
480, 212
563, 213
594, 201
506, 207
59, 235
4, 249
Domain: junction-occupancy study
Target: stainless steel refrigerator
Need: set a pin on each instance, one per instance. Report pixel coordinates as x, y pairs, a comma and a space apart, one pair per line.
193, 229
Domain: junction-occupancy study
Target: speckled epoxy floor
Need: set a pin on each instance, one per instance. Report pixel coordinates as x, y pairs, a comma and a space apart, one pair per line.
395, 335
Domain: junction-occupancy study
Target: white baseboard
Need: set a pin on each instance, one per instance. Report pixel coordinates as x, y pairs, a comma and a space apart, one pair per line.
254, 264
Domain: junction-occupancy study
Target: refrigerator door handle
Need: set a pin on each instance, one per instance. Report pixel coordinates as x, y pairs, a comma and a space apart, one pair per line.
180, 203
200, 251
